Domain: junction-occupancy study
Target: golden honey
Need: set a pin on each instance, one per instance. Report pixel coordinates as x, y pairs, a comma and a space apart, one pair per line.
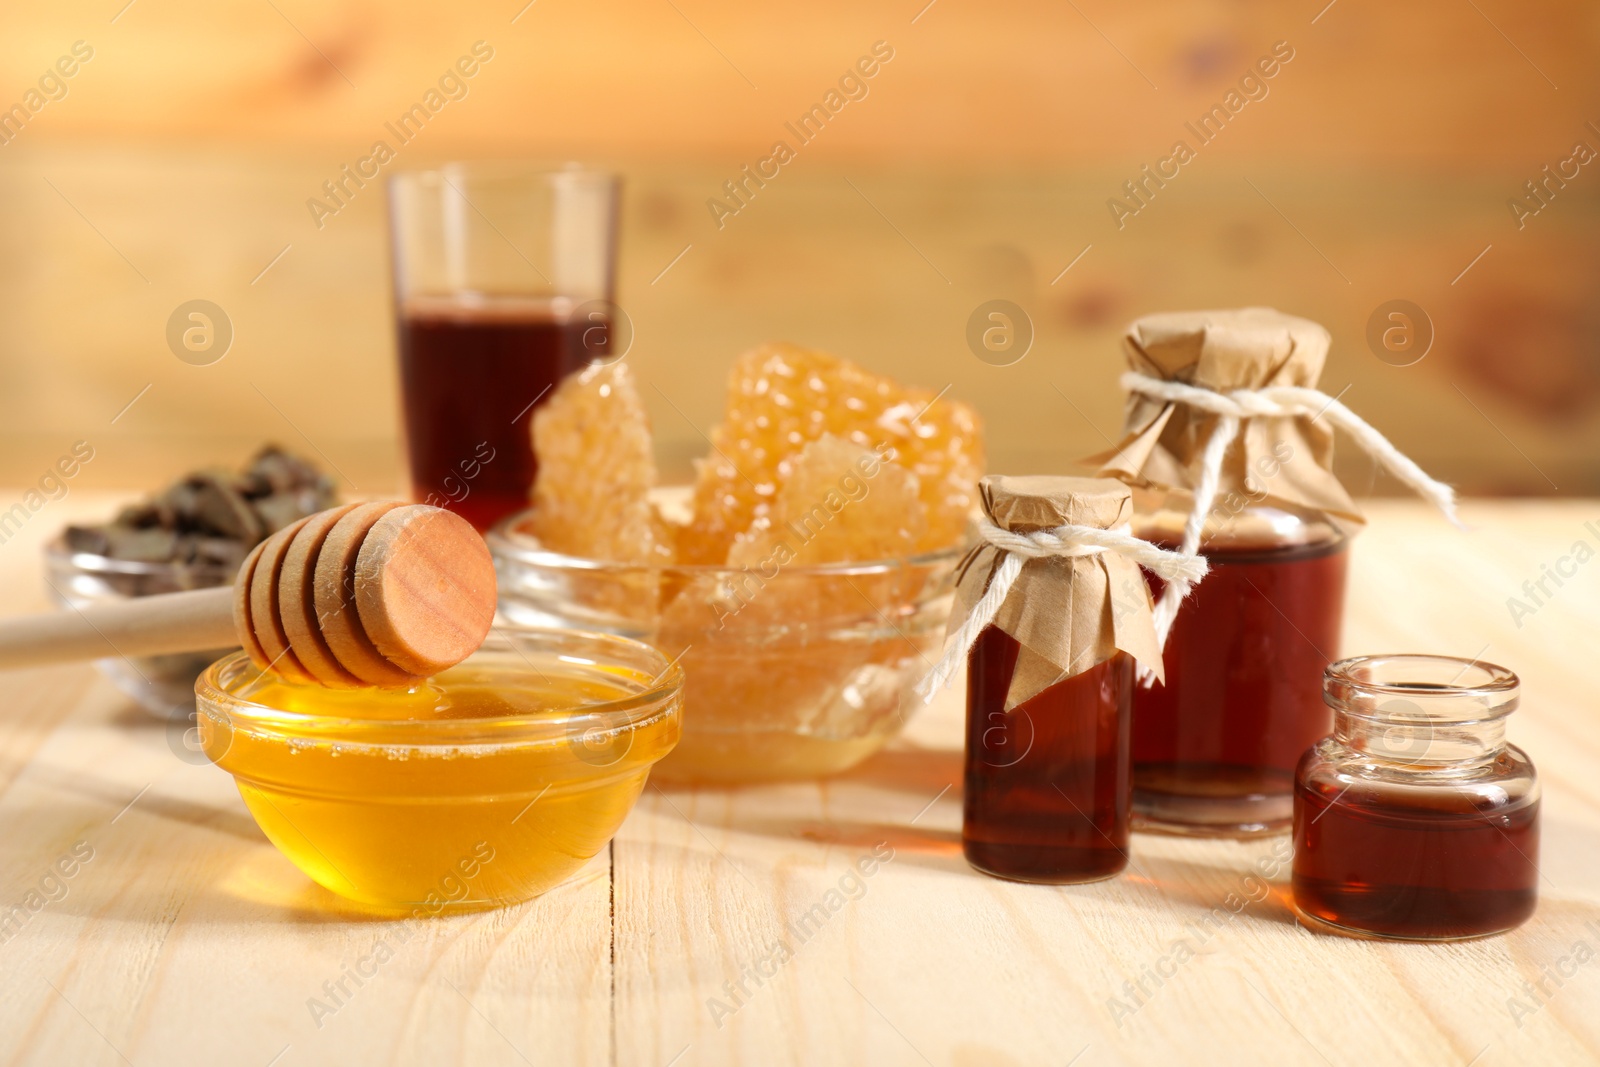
486, 785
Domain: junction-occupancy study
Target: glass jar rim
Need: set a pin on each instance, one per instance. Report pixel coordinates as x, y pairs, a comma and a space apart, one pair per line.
507, 541
215, 699
1354, 686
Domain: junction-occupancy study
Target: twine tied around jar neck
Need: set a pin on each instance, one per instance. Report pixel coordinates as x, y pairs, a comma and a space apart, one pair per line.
1236, 405
1179, 569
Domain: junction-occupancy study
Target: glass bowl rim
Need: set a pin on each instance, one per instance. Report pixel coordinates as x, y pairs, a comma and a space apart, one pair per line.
58, 554
506, 541
663, 695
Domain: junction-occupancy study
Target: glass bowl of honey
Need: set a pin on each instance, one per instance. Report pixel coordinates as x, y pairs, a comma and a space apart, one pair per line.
790, 671
485, 785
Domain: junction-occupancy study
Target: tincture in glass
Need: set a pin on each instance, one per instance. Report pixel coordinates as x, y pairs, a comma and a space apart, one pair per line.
1416, 820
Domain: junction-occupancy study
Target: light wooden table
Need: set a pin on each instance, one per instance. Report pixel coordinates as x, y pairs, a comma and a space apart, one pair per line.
188, 939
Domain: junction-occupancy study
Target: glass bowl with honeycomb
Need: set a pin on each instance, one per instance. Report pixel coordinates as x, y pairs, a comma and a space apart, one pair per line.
803, 581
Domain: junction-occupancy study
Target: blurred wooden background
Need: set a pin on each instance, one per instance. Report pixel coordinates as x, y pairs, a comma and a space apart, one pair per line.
178, 162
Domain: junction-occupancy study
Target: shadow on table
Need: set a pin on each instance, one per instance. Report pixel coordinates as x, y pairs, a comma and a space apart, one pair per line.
100, 797
1212, 894
910, 769
866, 817
934, 849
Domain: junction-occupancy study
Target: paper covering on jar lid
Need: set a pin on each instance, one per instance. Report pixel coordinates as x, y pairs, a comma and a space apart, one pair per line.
1068, 613
1283, 460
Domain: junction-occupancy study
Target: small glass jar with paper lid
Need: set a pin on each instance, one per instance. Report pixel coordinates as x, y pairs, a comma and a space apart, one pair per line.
1051, 615
1229, 447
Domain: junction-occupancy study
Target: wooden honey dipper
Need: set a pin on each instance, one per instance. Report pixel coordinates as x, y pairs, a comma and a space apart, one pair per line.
384, 593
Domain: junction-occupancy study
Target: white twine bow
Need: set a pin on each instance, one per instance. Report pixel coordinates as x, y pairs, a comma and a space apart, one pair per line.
1283, 400
1178, 569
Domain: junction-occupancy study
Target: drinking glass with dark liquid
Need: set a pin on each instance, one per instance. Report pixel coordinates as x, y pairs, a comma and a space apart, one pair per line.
503, 285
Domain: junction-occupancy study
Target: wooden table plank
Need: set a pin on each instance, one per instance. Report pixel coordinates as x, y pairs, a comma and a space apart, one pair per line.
188, 939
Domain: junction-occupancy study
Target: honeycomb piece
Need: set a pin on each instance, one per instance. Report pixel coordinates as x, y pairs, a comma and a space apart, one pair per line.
839, 503
780, 397
770, 639
596, 470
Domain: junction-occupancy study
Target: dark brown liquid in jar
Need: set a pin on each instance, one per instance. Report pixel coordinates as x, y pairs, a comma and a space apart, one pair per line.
1428, 863
470, 375
1214, 749
1047, 784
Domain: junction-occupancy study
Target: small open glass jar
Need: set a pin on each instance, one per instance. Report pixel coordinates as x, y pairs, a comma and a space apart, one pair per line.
485, 785
1416, 820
